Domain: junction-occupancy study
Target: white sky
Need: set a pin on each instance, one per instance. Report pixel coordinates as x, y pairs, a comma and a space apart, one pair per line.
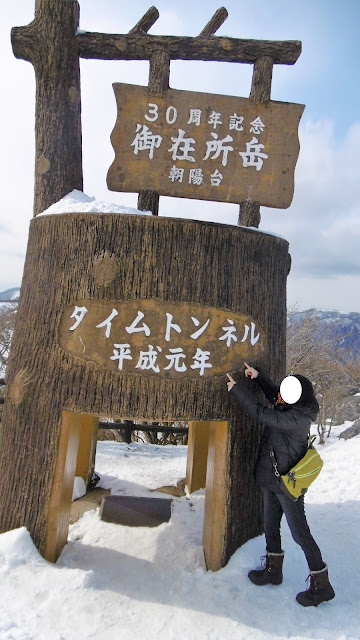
323, 222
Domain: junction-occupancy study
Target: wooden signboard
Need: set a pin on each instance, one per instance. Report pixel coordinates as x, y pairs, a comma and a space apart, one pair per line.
152, 337
143, 316
204, 146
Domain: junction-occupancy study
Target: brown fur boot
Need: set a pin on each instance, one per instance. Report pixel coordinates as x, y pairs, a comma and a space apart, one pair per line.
271, 573
320, 589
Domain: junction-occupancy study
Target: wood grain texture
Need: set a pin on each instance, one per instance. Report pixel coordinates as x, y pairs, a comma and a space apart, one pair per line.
106, 46
215, 23
146, 22
261, 80
196, 463
249, 212
49, 43
176, 260
157, 146
159, 74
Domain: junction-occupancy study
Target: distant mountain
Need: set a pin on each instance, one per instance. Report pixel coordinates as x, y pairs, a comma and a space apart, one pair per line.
10, 294
343, 326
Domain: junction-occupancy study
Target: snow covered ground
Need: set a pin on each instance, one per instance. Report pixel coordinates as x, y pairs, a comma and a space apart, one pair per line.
115, 582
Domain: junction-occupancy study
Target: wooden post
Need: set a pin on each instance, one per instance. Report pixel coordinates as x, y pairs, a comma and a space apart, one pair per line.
215, 23
249, 215
58, 516
127, 430
49, 43
196, 465
145, 23
85, 463
158, 84
215, 516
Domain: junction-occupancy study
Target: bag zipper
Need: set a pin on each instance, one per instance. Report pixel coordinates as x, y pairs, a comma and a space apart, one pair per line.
308, 460
309, 473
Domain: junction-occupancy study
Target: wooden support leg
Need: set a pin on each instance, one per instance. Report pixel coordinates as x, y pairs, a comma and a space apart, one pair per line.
215, 507
198, 444
58, 515
85, 464
75, 456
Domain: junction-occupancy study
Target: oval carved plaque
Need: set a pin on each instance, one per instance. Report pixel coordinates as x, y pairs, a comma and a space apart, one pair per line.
152, 337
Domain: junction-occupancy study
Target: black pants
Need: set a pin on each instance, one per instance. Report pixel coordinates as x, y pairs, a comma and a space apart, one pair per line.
275, 504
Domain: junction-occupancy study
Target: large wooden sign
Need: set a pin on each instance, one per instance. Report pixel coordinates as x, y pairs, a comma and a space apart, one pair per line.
209, 147
152, 337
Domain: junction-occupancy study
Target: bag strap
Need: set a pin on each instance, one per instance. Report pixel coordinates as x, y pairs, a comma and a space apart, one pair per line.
273, 458
274, 463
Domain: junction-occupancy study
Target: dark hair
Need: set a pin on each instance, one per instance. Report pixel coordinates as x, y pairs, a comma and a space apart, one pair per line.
307, 398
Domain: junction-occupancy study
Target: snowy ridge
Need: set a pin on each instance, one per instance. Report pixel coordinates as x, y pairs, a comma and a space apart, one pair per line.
10, 295
345, 327
113, 582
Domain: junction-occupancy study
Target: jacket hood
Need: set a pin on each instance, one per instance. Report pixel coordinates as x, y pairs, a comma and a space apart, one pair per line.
307, 402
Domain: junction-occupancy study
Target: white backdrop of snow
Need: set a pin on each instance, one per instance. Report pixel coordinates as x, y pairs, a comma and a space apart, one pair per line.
115, 582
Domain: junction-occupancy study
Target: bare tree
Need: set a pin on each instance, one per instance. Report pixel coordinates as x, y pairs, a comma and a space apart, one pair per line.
309, 344
354, 371
7, 321
161, 437
313, 351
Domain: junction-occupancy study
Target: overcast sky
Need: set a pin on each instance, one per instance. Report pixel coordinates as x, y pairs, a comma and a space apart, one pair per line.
323, 222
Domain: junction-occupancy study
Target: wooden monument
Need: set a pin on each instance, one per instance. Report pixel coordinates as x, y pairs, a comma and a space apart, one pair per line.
140, 317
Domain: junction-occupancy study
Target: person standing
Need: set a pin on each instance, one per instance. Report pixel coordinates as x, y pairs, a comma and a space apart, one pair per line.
286, 433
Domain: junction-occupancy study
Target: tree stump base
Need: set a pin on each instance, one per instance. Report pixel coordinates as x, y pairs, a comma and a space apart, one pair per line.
55, 392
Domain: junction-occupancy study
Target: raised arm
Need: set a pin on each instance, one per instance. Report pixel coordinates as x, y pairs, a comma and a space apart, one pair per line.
267, 385
283, 420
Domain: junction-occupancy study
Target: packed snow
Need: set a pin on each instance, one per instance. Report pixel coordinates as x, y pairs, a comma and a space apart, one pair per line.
78, 202
79, 488
117, 582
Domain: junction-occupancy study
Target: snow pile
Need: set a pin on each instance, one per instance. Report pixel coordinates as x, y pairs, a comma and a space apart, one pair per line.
78, 202
113, 582
79, 488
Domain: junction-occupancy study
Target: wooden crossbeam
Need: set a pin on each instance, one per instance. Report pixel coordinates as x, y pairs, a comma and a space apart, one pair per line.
146, 22
215, 23
53, 44
106, 46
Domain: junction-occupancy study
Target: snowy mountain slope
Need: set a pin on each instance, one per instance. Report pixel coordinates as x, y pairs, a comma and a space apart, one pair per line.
115, 582
10, 294
345, 327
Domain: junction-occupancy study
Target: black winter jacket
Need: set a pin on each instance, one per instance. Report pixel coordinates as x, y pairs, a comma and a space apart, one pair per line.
286, 427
